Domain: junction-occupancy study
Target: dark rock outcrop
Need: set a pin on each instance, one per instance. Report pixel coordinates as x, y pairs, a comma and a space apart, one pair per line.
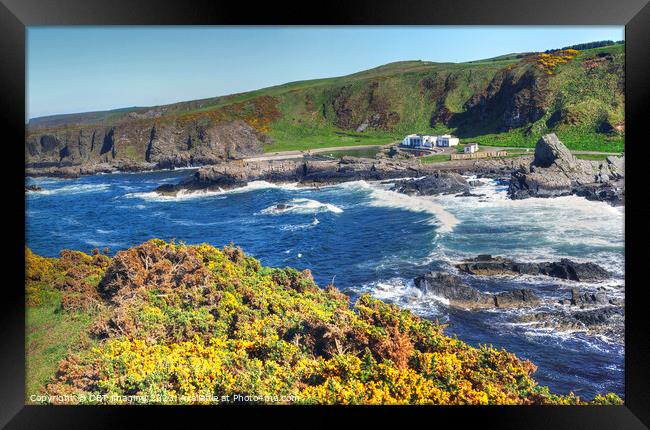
517, 298
452, 288
32, 188
588, 298
563, 269
437, 183
600, 316
459, 294
555, 172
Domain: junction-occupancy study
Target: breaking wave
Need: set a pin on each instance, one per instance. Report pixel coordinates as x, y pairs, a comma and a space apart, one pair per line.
382, 197
302, 206
74, 189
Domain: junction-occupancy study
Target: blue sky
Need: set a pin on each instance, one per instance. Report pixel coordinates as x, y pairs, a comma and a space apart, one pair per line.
79, 69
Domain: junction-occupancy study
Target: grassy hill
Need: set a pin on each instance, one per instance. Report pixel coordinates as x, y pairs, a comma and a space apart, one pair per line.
509, 100
170, 323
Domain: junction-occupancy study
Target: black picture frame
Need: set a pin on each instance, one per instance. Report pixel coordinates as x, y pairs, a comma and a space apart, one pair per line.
15, 15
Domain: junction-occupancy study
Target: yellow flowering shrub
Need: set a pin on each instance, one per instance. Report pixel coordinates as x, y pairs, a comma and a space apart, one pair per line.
549, 61
197, 324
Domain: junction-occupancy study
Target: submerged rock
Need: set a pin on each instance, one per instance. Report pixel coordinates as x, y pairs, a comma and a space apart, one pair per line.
469, 194
564, 269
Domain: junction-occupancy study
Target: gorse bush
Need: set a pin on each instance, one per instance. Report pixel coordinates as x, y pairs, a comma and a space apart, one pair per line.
188, 324
550, 61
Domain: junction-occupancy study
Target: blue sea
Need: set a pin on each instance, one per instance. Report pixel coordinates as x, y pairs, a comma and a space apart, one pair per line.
367, 239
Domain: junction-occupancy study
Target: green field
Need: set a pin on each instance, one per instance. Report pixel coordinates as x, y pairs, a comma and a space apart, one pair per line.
594, 157
288, 139
427, 159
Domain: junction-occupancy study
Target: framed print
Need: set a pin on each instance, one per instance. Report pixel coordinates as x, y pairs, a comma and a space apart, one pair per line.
398, 211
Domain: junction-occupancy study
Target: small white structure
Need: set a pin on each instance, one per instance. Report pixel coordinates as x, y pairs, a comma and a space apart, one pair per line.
447, 140
470, 148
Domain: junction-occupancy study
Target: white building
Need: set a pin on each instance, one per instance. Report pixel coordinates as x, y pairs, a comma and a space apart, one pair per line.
419, 141
447, 140
430, 140
471, 148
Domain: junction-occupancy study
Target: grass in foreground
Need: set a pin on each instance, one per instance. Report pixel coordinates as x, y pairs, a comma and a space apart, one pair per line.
188, 324
594, 157
437, 158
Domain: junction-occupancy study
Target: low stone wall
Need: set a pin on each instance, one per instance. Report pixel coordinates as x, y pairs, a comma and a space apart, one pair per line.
485, 154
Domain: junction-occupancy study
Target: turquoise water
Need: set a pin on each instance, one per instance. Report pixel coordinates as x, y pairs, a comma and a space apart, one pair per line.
367, 239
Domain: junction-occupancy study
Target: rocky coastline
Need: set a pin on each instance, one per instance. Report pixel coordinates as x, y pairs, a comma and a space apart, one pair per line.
555, 172
429, 178
585, 309
552, 172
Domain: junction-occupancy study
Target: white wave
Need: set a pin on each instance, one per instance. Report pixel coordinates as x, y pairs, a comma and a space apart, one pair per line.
392, 199
75, 189
257, 185
182, 195
404, 293
593, 341
100, 231
296, 227
189, 223
100, 244
302, 206
537, 229
381, 196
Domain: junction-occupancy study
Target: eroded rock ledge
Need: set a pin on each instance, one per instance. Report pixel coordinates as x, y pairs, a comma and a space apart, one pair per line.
563, 269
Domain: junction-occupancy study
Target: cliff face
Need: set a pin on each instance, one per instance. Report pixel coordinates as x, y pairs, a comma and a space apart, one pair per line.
164, 144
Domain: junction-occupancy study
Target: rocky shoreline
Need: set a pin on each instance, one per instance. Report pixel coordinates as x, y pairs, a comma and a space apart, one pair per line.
552, 172
75, 171
587, 310
432, 179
